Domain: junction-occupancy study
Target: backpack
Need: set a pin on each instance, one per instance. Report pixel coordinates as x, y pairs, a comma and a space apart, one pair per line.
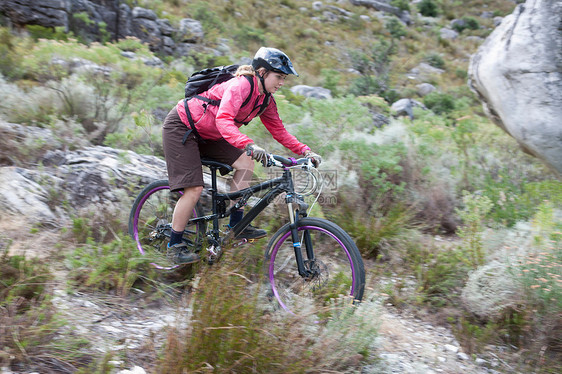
203, 80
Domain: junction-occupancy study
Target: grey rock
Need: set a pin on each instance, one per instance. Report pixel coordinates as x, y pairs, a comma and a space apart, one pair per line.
313, 92
51, 13
450, 348
446, 33
148, 14
27, 193
425, 71
382, 6
425, 89
190, 31
317, 5
405, 107
517, 73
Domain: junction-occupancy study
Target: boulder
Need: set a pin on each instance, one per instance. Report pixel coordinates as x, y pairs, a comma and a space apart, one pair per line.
314, 92
517, 74
90, 179
27, 193
50, 13
191, 31
405, 107
425, 89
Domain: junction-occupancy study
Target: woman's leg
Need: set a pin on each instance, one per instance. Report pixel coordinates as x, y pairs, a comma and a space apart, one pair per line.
244, 166
184, 207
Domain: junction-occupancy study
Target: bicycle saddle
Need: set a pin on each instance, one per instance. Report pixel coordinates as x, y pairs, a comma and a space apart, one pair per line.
223, 168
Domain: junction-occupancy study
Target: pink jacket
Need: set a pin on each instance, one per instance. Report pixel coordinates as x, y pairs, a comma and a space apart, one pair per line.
218, 122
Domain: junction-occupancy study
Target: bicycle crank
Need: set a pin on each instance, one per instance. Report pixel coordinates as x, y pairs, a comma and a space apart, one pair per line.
214, 252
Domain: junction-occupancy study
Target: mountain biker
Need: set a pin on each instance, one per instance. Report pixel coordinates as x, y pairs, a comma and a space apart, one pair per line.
217, 136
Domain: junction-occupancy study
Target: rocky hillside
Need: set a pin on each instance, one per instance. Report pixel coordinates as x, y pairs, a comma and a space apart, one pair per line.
419, 109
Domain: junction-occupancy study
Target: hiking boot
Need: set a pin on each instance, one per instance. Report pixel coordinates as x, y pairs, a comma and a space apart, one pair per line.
251, 232
181, 254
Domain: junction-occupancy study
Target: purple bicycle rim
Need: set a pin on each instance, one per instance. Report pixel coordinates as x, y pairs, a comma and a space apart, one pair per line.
274, 254
136, 222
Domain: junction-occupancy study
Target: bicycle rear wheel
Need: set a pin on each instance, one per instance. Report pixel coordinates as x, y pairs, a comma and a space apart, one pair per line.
330, 256
150, 224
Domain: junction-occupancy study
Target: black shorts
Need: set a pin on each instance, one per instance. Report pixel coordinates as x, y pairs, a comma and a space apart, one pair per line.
183, 160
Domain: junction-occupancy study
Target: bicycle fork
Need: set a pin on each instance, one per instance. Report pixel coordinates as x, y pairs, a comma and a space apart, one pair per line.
293, 224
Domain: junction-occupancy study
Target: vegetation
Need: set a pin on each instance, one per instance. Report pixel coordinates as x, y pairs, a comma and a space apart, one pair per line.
398, 188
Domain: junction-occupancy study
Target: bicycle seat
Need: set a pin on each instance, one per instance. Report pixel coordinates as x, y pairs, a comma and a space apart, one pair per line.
223, 168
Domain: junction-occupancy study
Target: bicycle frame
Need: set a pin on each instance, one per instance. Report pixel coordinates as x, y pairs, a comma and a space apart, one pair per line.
276, 186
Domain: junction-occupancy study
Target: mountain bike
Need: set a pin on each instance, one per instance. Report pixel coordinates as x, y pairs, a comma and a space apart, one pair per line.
307, 260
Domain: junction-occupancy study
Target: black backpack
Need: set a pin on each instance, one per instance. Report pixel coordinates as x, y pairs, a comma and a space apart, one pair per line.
203, 80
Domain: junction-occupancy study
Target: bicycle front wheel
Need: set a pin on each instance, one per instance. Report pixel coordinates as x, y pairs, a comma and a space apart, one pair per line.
332, 262
150, 224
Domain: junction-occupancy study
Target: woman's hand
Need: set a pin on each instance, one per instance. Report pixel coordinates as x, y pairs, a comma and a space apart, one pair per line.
314, 157
257, 153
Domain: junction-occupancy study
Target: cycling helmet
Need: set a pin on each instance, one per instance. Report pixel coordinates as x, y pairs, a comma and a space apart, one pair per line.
274, 60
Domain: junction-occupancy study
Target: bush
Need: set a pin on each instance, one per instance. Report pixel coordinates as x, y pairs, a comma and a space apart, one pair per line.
439, 103
475, 210
435, 60
31, 333
466, 23
401, 4
114, 267
234, 329
428, 8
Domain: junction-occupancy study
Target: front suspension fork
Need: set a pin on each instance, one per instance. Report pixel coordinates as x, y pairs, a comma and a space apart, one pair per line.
293, 224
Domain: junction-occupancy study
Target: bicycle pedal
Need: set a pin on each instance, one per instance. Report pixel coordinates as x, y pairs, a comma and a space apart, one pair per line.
240, 242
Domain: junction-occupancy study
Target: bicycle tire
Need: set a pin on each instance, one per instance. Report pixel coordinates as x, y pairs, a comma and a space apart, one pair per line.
338, 267
150, 222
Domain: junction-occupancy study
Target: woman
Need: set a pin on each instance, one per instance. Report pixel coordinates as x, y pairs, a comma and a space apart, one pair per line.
216, 135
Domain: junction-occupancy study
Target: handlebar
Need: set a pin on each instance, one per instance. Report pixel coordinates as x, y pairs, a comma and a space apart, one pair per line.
280, 161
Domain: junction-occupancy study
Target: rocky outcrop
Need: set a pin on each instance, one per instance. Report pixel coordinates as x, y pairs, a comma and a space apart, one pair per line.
72, 181
94, 20
517, 73
383, 6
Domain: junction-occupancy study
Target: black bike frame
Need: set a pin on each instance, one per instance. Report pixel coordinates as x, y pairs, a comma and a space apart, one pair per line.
276, 186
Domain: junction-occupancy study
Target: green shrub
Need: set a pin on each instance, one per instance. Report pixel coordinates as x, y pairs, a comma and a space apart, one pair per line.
380, 168
370, 231
401, 4
541, 273
441, 274
23, 280
428, 8
144, 138
396, 28
439, 103
475, 210
114, 267
234, 329
30, 329
435, 60
373, 65
246, 36
211, 22
40, 32
467, 23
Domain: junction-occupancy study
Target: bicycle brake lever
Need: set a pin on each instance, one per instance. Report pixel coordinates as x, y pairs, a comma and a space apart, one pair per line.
270, 161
